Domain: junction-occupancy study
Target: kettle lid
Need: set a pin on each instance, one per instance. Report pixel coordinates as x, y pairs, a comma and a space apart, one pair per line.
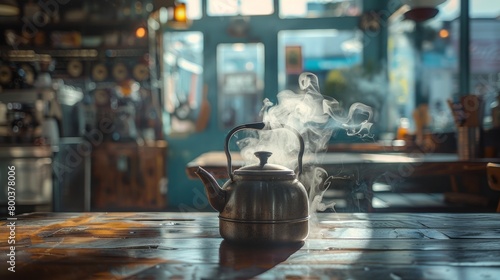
263, 168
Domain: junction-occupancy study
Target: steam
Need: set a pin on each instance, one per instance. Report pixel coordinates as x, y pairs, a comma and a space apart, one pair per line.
316, 118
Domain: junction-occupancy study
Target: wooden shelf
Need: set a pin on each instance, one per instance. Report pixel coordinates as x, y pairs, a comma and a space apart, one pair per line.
84, 53
84, 26
27, 95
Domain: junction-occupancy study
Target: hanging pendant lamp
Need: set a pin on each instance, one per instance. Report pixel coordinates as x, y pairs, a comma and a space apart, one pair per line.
422, 10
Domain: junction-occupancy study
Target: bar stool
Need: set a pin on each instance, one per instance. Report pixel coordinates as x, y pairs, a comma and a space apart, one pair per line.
493, 171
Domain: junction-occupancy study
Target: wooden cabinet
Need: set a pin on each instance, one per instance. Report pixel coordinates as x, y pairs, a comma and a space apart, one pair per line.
129, 177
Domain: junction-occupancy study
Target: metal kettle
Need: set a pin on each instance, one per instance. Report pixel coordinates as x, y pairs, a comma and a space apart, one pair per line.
260, 203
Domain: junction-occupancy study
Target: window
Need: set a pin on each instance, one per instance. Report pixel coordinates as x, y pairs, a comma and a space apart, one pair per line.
182, 78
239, 7
240, 76
423, 66
431, 51
485, 53
319, 8
319, 51
193, 9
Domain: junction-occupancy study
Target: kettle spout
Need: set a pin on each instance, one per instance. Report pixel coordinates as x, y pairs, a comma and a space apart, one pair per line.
216, 195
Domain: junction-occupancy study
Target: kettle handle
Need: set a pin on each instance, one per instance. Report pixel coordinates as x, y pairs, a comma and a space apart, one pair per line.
260, 126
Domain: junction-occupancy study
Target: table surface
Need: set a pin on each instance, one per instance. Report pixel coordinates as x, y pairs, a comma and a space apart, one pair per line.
188, 246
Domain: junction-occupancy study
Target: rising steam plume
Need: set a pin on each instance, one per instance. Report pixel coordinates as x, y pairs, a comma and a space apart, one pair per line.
315, 117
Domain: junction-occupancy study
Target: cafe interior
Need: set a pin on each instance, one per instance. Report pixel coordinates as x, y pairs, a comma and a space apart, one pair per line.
240, 139
113, 105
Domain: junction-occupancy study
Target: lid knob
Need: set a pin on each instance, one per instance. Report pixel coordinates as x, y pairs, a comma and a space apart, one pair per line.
263, 156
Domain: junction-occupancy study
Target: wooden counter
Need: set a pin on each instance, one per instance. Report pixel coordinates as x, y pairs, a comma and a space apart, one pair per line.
188, 246
129, 177
373, 164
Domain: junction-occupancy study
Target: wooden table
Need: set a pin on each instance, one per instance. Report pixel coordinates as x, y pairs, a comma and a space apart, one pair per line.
188, 246
387, 168
372, 164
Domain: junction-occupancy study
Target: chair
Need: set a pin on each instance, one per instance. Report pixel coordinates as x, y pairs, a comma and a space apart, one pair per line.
493, 171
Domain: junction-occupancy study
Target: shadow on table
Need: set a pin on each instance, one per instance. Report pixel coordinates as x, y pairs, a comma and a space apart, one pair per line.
238, 261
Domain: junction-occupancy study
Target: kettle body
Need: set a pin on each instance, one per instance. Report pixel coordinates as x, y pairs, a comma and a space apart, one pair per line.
261, 203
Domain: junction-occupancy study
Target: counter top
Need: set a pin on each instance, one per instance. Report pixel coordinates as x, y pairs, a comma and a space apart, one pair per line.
373, 164
188, 246
389, 168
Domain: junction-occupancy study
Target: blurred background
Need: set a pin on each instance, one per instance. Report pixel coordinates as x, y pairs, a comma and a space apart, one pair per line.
104, 103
